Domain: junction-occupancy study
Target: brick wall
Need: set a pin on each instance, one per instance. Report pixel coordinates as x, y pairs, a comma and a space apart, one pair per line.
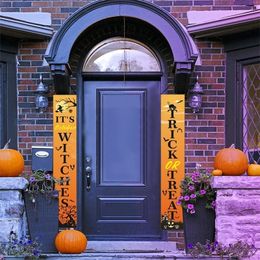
204, 131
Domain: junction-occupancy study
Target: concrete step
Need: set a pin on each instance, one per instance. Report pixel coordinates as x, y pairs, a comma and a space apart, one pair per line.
110, 256
132, 256
132, 250
131, 246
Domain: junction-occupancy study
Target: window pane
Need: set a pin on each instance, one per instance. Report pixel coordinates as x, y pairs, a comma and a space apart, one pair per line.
251, 111
121, 55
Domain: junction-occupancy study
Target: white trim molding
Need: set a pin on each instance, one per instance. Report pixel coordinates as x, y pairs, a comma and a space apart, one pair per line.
223, 23
26, 25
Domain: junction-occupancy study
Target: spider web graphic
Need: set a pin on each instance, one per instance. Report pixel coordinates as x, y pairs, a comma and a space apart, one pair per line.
251, 112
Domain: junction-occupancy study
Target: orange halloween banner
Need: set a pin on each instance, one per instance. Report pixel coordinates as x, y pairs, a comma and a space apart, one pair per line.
172, 159
65, 156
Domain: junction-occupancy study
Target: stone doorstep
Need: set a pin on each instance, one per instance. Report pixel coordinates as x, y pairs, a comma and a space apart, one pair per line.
131, 256
131, 246
108, 256
106, 250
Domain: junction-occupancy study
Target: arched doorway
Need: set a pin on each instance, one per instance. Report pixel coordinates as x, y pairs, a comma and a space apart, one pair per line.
119, 109
122, 141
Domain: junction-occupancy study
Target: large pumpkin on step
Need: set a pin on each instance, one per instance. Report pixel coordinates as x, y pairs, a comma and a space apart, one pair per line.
231, 161
70, 242
11, 162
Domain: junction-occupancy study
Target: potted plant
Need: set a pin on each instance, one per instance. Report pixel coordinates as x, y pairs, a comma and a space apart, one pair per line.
41, 204
198, 202
17, 249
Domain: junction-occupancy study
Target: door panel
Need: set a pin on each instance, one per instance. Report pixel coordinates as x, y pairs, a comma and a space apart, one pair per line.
122, 138
122, 208
120, 125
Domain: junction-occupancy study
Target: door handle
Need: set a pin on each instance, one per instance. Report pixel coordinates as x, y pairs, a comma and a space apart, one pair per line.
88, 171
88, 175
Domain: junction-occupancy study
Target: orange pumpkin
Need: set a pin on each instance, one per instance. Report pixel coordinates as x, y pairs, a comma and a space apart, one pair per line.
231, 161
71, 242
217, 172
11, 162
253, 169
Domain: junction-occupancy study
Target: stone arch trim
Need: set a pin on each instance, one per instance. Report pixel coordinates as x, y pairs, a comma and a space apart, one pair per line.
182, 46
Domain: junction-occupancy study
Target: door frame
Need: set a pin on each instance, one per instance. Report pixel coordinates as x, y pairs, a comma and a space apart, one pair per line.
81, 77
8, 89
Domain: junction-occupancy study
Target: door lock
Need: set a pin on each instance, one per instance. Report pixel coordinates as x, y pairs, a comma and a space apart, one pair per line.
88, 171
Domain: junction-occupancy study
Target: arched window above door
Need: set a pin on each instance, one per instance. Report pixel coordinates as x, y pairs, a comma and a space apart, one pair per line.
121, 55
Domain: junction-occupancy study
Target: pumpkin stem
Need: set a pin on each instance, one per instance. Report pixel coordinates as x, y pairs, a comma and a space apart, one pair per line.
7, 144
232, 146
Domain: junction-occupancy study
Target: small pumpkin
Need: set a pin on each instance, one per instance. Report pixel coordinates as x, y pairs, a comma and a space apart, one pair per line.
217, 172
231, 161
253, 169
11, 162
70, 242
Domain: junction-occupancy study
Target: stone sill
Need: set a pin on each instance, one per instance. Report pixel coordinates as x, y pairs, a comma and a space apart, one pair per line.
13, 183
236, 182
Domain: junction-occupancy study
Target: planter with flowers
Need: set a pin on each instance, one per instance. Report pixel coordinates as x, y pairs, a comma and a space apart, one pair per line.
18, 249
41, 204
198, 202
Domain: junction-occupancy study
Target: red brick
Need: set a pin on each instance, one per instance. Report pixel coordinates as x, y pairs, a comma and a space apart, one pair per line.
30, 9
50, 9
31, 57
34, 127
218, 56
42, 4
221, 141
212, 62
26, 69
59, 15
201, 8
181, 9
197, 147
196, 135
25, 51
196, 159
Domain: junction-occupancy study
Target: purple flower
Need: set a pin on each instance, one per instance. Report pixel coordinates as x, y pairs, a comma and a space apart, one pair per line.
190, 246
192, 211
195, 174
178, 202
181, 198
32, 179
202, 192
193, 196
190, 206
194, 179
213, 204
186, 198
191, 188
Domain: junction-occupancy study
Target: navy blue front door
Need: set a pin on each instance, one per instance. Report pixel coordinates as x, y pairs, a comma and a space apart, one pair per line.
122, 140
